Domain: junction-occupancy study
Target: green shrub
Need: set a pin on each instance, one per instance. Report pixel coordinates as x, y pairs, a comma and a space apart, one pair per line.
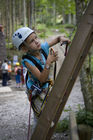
62, 126
84, 117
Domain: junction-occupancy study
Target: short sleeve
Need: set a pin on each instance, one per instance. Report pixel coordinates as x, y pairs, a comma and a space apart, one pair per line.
45, 47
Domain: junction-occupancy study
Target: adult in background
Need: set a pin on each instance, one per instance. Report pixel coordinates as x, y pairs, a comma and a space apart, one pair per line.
4, 69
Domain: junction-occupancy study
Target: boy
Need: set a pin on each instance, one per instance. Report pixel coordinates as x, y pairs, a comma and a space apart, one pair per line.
37, 61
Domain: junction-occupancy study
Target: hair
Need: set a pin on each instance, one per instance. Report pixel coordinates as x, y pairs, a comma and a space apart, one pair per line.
5, 60
21, 46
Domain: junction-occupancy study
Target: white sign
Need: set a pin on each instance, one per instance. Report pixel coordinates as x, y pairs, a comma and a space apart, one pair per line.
15, 59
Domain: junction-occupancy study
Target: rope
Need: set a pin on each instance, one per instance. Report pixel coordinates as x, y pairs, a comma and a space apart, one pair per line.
28, 135
55, 67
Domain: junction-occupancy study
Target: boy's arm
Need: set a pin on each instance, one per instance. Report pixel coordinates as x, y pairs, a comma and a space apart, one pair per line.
58, 39
43, 76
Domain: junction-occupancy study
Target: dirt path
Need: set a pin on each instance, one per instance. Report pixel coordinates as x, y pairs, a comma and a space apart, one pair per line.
14, 108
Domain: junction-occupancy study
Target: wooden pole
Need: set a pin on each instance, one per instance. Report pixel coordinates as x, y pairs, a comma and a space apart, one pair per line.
85, 132
73, 127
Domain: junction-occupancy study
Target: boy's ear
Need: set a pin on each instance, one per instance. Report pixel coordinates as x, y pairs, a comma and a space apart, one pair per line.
22, 47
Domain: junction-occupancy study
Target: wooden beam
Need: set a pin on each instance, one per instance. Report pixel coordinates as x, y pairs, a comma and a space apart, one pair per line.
66, 78
73, 127
71, 83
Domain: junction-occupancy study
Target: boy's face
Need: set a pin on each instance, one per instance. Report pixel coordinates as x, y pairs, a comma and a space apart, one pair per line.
33, 42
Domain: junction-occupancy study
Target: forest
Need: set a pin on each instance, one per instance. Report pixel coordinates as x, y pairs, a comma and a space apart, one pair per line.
16, 13
46, 17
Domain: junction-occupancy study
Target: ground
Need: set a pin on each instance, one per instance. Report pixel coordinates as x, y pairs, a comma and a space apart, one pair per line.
14, 111
14, 108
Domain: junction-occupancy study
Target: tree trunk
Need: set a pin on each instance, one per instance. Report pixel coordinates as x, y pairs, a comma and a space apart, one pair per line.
13, 15
85, 74
78, 10
86, 85
54, 13
31, 13
7, 19
34, 13
24, 13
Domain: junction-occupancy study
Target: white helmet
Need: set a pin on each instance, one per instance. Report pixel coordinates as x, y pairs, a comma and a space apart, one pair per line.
20, 35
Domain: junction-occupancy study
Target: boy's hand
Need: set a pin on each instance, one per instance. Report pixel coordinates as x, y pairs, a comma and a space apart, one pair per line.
52, 57
64, 39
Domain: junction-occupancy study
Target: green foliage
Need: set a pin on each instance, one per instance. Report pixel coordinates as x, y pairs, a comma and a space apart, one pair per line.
45, 31
84, 117
48, 10
66, 6
68, 109
62, 126
42, 31
92, 64
8, 45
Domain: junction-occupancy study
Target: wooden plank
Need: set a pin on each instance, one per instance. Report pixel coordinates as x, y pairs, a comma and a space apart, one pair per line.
73, 127
66, 95
65, 79
72, 80
84, 132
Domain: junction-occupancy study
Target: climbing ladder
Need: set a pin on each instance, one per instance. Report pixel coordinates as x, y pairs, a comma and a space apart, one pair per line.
66, 77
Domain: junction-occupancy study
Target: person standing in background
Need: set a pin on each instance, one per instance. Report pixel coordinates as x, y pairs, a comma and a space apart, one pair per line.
4, 69
9, 70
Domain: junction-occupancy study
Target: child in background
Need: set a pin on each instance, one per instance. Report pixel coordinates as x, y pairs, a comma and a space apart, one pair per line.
17, 71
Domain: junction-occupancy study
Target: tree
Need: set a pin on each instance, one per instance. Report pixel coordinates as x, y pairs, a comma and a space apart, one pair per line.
24, 12
13, 15
85, 74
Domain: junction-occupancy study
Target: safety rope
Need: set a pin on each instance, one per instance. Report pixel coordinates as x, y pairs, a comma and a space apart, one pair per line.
28, 135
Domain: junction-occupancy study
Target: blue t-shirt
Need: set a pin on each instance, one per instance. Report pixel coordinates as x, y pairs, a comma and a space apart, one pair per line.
32, 79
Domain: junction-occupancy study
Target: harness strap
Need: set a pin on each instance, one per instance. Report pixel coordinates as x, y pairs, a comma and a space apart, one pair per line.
45, 55
35, 62
38, 112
